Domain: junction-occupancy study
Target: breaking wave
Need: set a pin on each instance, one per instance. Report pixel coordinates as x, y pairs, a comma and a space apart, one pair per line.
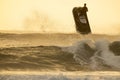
84, 55
96, 55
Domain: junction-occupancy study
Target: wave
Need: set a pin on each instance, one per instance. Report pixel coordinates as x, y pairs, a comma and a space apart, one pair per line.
83, 55
96, 55
37, 58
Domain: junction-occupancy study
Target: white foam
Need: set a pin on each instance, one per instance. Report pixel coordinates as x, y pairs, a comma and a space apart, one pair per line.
101, 52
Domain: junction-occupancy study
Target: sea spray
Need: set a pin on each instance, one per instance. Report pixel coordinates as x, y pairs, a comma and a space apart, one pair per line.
95, 54
82, 51
102, 51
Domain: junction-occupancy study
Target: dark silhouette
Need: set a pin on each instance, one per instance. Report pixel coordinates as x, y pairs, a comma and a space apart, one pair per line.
84, 10
81, 19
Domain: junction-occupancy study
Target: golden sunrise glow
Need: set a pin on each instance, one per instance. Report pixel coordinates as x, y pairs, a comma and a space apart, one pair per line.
56, 15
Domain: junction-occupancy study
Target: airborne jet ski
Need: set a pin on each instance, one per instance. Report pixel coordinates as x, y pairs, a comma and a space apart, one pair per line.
81, 20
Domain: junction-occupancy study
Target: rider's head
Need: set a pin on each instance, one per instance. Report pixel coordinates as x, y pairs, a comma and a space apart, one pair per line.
84, 4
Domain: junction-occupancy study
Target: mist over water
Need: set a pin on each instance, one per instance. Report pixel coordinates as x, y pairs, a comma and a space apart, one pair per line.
38, 22
41, 22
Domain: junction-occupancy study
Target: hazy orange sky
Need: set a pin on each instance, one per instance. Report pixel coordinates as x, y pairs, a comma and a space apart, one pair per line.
56, 15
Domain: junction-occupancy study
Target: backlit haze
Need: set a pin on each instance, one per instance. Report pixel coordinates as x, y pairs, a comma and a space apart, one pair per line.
56, 15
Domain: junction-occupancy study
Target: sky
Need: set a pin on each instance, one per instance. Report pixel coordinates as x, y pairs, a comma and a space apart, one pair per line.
56, 15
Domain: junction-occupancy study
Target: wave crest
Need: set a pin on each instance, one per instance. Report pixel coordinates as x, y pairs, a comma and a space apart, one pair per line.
96, 55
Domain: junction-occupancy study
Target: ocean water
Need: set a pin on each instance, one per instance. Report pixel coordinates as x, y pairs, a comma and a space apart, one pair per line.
83, 55
59, 53
60, 76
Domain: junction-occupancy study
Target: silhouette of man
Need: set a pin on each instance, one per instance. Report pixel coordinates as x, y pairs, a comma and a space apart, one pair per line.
84, 9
